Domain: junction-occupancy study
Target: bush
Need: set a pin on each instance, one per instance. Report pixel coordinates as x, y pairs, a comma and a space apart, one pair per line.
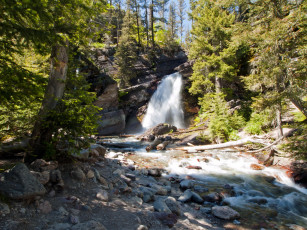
222, 124
258, 122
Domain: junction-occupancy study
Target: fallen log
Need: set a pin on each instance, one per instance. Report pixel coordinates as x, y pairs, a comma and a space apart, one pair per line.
153, 145
221, 146
163, 145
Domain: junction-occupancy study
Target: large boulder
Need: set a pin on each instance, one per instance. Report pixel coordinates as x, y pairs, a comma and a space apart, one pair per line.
19, 183
112, 123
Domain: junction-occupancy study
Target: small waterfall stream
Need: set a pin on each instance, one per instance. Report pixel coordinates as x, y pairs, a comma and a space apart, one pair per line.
165, 104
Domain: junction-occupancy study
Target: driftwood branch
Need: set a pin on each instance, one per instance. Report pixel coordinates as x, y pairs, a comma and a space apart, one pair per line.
221, 146
266, 147
153, 145
163, 145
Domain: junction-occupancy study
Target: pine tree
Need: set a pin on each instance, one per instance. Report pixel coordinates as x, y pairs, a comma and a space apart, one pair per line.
181, 15
214, 55
172, 20
126, 53
279, 56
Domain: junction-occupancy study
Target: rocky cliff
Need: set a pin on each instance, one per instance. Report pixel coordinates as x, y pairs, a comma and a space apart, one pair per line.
123, 108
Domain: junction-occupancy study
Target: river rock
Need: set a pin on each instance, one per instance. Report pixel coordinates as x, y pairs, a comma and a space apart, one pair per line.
142, 227
74, 219
4, 209
196, 198
200, 189
166, 218
186, 196
155, 172
186, 184
256, 167
44, 206
225, 212
255, 193
41, 165
42, 177
160, 206
99, 148
90, 174
146, 193
102, 195
205, 210
212, 197
173, 205
19, 183
78, 174
258, 201
160, 189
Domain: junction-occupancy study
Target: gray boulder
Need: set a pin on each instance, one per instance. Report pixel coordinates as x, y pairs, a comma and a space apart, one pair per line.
173, 205
225, 212
160, 206
186, 196
19, 183
186, 184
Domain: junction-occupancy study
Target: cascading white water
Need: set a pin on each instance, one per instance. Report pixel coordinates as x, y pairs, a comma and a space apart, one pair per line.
165, 105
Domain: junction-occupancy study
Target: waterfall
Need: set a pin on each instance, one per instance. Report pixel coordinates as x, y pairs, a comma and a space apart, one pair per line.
165, 104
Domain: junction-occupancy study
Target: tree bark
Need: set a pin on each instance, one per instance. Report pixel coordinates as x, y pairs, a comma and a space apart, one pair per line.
152, 24
54, 92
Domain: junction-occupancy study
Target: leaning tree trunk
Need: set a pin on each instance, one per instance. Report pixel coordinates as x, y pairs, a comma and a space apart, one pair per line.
42, 135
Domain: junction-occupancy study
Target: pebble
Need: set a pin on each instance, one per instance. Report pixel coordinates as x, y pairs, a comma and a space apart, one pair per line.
78, 174
63, 211
236, 222
142, 227
74, 219
90, 174
102, 195
45, 207
22, 210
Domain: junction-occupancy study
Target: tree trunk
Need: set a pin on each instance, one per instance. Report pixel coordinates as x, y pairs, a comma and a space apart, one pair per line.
54, 92
146, 22
217, 84
137, 24
278, 120
152, 24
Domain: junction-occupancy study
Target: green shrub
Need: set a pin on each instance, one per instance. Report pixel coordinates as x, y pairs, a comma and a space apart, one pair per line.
258, 122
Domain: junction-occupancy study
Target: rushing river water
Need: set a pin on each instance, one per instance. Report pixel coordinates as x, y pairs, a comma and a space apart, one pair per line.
268, 193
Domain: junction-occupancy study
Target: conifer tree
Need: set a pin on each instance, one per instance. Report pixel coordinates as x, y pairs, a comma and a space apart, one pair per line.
279, 56
126, 53
181, 15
